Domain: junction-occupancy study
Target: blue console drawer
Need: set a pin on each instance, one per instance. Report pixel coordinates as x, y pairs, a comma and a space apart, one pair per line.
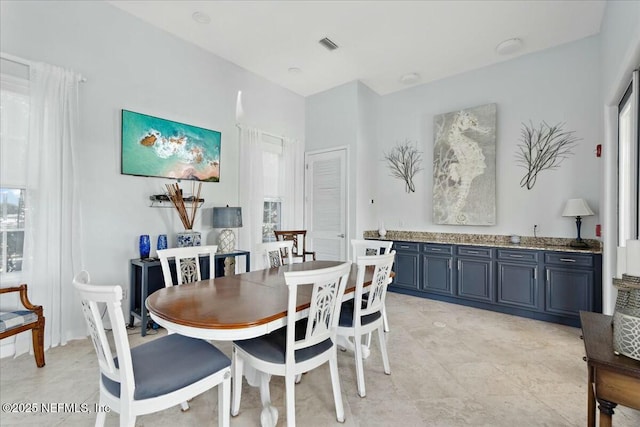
475, 251
568, 258
437, 249
406, 246
517, 255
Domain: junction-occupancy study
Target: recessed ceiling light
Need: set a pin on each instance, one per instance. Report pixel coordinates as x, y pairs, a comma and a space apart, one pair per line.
410, 78
509, 46
201, 17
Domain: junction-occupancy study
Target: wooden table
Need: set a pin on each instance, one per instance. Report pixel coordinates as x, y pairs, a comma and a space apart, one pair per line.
612, 380
238, 307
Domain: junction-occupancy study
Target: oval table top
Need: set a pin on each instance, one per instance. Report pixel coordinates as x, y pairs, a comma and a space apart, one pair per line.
235, 307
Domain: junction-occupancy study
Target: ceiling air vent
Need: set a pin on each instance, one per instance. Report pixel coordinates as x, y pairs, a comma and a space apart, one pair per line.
328, 44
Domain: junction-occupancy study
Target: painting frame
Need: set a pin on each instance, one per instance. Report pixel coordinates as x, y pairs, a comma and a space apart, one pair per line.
161, 148
464, 166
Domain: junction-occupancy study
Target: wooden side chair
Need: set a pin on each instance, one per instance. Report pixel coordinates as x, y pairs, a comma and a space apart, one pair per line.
187, 263
360, 317
299, 239
276, 254
31, 318
153, 376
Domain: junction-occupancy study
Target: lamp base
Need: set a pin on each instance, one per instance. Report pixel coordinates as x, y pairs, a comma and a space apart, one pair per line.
579, 244
226, 241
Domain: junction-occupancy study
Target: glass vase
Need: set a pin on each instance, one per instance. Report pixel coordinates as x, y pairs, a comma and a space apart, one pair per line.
145, 246
162, 242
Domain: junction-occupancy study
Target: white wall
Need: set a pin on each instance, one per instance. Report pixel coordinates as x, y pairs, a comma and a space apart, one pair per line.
556, 85
620, 46
346, 116
132, 65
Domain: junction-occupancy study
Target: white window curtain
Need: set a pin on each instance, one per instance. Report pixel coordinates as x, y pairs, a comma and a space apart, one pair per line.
291, 183
52, 227
251, 189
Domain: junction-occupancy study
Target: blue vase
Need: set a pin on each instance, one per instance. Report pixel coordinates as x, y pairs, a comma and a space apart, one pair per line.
145, 246
162, 242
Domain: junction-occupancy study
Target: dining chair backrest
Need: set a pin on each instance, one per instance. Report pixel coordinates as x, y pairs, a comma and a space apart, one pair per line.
361, 247
187, 261
276, 254
111, 296
377, 291
324, 311
299, 239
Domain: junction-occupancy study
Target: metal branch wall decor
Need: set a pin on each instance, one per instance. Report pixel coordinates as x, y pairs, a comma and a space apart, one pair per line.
404, 161
544, 147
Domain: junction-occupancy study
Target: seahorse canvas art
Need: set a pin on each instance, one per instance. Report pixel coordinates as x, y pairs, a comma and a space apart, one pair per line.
464, 167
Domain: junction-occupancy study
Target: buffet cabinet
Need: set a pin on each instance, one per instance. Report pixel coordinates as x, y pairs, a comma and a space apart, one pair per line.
540, 284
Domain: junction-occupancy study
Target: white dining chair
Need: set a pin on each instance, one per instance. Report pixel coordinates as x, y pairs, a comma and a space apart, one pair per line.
361, 247
360, 317
300, 346
153, 376
276, 254
187, 261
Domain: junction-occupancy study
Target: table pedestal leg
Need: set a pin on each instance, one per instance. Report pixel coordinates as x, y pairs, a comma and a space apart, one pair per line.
346, 343
269, 414
255, 378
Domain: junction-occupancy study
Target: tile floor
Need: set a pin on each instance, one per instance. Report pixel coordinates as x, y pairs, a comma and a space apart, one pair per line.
451, 366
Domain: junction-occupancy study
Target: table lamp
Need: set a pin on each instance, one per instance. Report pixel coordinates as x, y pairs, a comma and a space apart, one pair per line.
577, 208
227, 218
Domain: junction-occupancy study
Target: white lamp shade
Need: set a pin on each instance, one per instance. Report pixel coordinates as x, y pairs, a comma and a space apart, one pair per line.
577, 207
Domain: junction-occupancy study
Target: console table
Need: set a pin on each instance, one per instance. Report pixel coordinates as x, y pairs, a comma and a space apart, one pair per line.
612, 379
146, 278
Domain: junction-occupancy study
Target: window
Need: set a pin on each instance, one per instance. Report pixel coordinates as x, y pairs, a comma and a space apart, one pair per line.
14, 116
272, 219
11, 229
628, 170
272, 167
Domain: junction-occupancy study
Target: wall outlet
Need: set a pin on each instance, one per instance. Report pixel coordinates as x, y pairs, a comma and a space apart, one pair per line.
125, 293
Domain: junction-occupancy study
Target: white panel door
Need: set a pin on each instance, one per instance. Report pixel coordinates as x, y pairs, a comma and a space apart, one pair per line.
326, 204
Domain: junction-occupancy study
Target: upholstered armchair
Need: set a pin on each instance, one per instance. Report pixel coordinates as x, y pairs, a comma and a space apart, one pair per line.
31, 318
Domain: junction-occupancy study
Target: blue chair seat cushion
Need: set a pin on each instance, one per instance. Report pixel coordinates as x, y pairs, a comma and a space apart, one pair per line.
14, 319
346, 315
272, 347
185, 361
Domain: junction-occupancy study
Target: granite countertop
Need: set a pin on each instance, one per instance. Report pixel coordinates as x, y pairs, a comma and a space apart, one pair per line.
501, 241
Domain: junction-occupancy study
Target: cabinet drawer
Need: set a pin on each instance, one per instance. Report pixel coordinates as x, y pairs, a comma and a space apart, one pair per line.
432, 248
406, 246
568, 259
474, 251
517, 255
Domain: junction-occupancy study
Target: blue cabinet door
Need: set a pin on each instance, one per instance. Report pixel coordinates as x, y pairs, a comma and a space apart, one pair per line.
406, 265
436, 275
568, 290
475, 279
518, 284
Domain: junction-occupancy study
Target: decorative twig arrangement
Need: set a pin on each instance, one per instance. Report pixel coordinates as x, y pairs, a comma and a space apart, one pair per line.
404, 161
543, 148
175, 195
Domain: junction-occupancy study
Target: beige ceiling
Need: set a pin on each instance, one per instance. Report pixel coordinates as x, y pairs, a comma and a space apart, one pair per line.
379, 41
